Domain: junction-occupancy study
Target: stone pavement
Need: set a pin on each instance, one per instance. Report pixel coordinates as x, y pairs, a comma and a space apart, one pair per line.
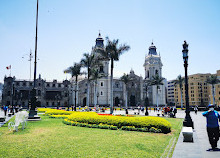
200, 148
2, 114
180, 113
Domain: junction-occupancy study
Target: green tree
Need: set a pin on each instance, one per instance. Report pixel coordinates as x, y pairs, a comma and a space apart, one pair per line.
179, 81
126, 79
75, 71
156, 81
89, 61
95, 75
112, 52
146, 87
213, 80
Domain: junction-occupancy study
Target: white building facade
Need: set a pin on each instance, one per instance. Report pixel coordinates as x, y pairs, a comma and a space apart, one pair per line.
153, 66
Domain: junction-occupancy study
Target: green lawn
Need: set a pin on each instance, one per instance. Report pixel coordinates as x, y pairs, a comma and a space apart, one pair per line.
51, 138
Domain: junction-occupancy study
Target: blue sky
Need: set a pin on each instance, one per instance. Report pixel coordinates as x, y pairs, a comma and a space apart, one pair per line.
68, 28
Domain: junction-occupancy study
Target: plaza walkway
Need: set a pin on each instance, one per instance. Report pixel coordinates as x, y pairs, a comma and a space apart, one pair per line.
200, 148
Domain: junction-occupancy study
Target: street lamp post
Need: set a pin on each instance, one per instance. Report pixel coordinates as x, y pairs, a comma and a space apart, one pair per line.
187, 121
33, 112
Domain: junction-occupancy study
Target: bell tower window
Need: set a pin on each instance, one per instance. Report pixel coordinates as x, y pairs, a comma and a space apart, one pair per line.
101, 69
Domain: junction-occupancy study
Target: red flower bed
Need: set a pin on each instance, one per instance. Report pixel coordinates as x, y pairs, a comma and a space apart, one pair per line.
105, 114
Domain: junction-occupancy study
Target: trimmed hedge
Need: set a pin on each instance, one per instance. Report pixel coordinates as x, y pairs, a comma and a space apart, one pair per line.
111, 127
58, 116
119, 121
58, 112
43, 109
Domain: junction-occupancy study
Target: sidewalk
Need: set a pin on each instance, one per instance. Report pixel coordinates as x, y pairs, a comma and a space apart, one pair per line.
200, 148
180, 113
6, 119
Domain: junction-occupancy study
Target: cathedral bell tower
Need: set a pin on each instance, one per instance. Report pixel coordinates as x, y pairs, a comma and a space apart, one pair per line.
153, 66
104, 68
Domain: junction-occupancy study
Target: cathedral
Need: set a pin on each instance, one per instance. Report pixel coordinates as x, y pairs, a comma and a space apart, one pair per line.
62, 93
136, 91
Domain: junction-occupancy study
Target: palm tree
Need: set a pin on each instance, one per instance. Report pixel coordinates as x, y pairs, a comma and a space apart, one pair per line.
156, 81
75, 71
126, 79
112, 51
95, 75
146, 86
180, 81
213, 80
89, 62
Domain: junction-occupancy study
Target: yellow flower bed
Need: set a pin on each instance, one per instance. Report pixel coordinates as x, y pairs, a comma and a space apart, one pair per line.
58, 112
43, 109
59, 116
119, 121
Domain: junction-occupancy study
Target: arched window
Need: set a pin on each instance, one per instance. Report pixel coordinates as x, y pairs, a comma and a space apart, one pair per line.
148, 74
101, 69
156, 72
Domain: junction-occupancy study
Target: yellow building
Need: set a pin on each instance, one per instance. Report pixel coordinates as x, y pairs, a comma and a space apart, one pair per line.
217, 91
199, 91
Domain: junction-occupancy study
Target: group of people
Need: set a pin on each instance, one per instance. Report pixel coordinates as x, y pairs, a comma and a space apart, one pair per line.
10, 109
166, 111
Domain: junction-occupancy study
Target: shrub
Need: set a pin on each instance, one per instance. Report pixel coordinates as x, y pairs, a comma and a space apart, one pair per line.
58, 112
138, 122
58, 116
113, 127
43, 109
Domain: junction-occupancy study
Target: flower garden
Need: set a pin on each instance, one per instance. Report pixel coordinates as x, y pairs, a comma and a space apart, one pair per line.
63, 133
107, 121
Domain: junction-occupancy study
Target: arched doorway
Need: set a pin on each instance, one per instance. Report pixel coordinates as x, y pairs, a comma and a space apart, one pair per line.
38, 104
84, 101
65, 104
116, 101
132, 100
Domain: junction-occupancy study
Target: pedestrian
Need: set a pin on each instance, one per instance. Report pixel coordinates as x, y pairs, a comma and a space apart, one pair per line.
196, 109
174, 112
139, 108
5, 109
212, 118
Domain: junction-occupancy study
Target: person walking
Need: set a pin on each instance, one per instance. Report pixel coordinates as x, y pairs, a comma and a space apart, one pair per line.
5, 109
174, 112
196, 109
212, 118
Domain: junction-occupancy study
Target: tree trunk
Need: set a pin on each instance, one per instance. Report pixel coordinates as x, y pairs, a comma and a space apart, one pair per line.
126, 98
213, 93
95, 94
111, 95
75, 92
157, 96
88, 87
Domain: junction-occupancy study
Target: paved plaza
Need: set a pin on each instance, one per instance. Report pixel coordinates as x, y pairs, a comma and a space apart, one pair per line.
200, 148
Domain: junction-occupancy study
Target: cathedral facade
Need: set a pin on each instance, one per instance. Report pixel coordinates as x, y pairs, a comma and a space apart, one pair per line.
136, 92
63, 93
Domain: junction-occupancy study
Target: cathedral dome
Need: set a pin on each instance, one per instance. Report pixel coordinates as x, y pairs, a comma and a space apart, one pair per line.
99, 41
152, 50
